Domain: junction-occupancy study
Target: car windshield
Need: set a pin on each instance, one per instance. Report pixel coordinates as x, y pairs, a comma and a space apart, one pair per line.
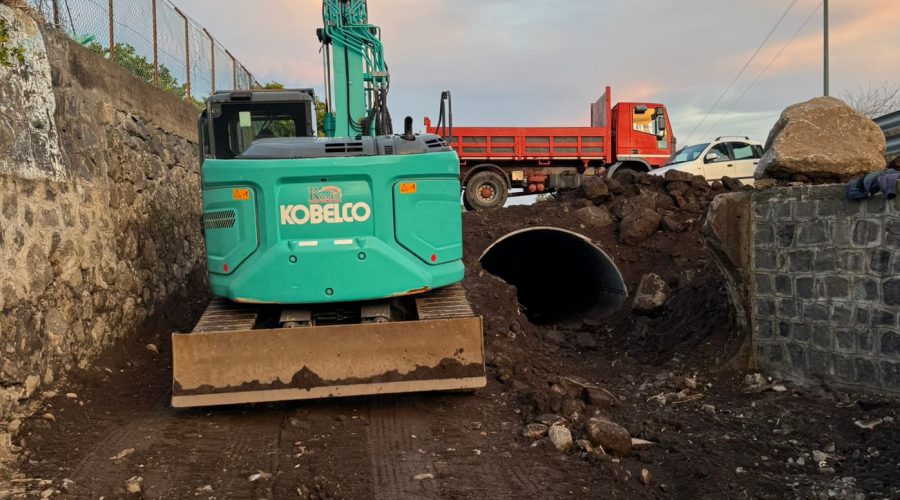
689, 153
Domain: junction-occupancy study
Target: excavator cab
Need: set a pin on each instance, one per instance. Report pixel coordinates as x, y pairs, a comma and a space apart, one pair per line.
233, 120
334, 262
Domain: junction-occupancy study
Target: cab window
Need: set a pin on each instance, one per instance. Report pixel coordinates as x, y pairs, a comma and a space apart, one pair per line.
248, 127
743, 151
238, 124
643, 119
721, 150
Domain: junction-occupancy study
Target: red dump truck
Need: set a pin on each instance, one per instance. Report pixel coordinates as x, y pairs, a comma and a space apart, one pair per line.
627, 136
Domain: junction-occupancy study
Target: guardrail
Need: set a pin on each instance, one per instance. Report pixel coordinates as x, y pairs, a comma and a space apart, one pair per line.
890, 125
153, 40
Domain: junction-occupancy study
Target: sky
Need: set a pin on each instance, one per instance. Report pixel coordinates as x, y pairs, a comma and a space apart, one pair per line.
541, 62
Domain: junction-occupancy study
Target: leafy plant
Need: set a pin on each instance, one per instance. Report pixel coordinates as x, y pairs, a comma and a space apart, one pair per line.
139, 66
9, 54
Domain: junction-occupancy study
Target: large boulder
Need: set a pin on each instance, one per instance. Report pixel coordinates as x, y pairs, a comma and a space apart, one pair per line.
824, 140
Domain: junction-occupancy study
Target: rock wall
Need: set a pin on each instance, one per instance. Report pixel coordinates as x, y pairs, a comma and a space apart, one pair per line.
99, 208
825, 290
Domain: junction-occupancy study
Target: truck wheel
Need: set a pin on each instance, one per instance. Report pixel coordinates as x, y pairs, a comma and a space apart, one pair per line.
486, 190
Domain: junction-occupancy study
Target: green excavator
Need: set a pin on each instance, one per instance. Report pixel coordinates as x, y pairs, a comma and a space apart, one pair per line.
334, 261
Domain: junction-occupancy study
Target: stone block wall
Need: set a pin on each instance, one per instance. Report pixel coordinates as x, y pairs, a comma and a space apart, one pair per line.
825, 287
99, 209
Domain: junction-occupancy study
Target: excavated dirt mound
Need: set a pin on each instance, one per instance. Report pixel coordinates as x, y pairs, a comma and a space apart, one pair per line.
697, 321
663, 378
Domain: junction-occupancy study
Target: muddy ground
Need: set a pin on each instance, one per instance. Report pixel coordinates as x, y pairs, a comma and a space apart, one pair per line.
674, 379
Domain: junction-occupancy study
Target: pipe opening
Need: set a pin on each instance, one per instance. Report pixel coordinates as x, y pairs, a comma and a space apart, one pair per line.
560, 275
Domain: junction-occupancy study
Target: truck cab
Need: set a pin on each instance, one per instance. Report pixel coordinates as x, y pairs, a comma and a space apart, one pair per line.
642, 137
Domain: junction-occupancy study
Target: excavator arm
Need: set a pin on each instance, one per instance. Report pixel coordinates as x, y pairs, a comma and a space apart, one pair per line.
356, 75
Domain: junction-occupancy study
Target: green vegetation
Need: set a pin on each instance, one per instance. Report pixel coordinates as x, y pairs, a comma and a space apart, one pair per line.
139, 66
8, 54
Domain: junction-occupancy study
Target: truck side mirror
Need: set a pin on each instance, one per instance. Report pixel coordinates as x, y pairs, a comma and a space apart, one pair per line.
661, 123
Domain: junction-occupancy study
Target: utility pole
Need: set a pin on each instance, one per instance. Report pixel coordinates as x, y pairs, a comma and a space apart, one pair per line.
826, 48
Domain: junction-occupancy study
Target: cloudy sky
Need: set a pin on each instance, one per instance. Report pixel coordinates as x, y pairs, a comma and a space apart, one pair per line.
540, 62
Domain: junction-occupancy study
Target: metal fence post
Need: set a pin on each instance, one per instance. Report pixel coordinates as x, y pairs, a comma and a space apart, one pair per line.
187, 55
155, 48
56, 13
212, 65
234, 84
112, 38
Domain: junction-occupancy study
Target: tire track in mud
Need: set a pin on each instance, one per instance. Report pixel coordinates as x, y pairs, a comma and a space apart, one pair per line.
395, 440
221, 448
97, 465
178, 451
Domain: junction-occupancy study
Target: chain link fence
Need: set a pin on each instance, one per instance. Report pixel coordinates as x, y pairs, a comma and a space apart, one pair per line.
153, 40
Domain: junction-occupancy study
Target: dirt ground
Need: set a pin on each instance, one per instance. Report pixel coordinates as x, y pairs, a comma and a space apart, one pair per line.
672, 380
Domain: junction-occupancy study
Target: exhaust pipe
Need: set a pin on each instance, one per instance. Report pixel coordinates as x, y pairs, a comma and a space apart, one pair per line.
560, 275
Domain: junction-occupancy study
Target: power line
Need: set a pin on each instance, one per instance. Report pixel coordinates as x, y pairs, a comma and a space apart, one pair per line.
763, 72
741, 72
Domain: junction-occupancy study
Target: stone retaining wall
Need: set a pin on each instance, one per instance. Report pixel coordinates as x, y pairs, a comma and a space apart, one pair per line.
825, 287
99, 208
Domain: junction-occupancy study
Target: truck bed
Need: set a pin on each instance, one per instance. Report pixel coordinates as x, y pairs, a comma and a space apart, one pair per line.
531, 143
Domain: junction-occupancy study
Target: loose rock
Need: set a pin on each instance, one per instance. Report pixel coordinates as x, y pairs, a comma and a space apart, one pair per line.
595, 216
534, 430
678, 176
640, 444
755, 382
561, 437
612, 437
134, 484
122, 454
645, 477
259, 476
651, 294
594, 189
639, 225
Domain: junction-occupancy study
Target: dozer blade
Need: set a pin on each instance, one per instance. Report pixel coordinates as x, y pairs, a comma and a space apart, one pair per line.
251, 366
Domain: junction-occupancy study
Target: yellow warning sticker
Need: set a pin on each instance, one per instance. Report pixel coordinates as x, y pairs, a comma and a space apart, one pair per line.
240, 194
407, 188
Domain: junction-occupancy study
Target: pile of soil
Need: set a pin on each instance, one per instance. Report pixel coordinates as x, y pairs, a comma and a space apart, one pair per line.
696, 322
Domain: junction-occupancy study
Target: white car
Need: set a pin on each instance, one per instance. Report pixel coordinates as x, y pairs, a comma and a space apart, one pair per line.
734, 157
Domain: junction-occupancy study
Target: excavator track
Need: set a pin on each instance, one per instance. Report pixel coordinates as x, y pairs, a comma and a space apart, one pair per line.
447, 302
222, 315
230, 357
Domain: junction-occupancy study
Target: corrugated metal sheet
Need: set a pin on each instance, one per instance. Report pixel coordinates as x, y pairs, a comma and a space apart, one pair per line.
890, 124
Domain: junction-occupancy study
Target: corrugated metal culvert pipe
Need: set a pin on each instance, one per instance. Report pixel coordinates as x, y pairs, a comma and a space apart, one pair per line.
560, 275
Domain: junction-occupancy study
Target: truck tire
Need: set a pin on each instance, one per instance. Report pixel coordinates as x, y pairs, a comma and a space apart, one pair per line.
486, 190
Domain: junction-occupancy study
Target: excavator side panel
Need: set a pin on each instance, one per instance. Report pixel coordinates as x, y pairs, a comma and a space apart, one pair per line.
250, 366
